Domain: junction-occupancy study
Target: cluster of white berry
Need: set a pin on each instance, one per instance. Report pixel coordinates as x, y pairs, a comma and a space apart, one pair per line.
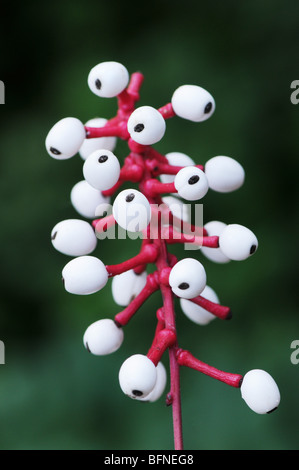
177, 174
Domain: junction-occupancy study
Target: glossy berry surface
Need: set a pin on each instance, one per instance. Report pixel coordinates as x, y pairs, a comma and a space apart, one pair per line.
146, 125
65, 138
193, 103
84, 275
108, 79
137, 376
191, 183
131, 210
260, 391
103, 337
101, 169
187, 278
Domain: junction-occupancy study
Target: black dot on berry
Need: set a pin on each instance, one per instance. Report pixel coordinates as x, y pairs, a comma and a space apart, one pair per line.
184, 286
208, 107
87, 347
98, 84
130, 197
193, 179
229, 315
271, 411
252, 249
139, 127
55, 151
119, 325
102, 158
137, 393
54, 235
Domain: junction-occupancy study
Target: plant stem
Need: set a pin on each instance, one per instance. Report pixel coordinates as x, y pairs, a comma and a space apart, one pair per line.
122, 318
163, 340
169, 317
147, 255
185, 358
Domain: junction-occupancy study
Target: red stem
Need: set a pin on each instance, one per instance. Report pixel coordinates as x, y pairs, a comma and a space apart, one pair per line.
220, 311
122, 318
174, 397
162, 341
189, 229
167, 111
153, 153
112, 191
128, 97
109, 130
160, 323
135, 85
129, 172
172, 236
142, 267
102, 225
148, 254
185, 358
160, 168
154, 187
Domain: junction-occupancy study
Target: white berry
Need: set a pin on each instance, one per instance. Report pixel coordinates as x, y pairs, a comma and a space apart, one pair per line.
198, 314
74, 237
108, 79
193, 103
103, 337
160, 385
224, 174
137, 376
260, 391
237, 242
187, 278
191, 183
91, 145
176, 159
101, 169
88, 201
84, 275
65, 138
127, 286
132, 210
214, 228
146, 125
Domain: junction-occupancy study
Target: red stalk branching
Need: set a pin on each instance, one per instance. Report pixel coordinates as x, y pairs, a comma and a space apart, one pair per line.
142, 166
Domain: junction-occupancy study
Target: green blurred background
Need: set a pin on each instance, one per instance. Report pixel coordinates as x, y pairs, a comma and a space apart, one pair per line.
53, 395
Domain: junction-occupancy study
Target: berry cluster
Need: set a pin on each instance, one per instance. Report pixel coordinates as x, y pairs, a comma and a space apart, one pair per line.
165, 183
